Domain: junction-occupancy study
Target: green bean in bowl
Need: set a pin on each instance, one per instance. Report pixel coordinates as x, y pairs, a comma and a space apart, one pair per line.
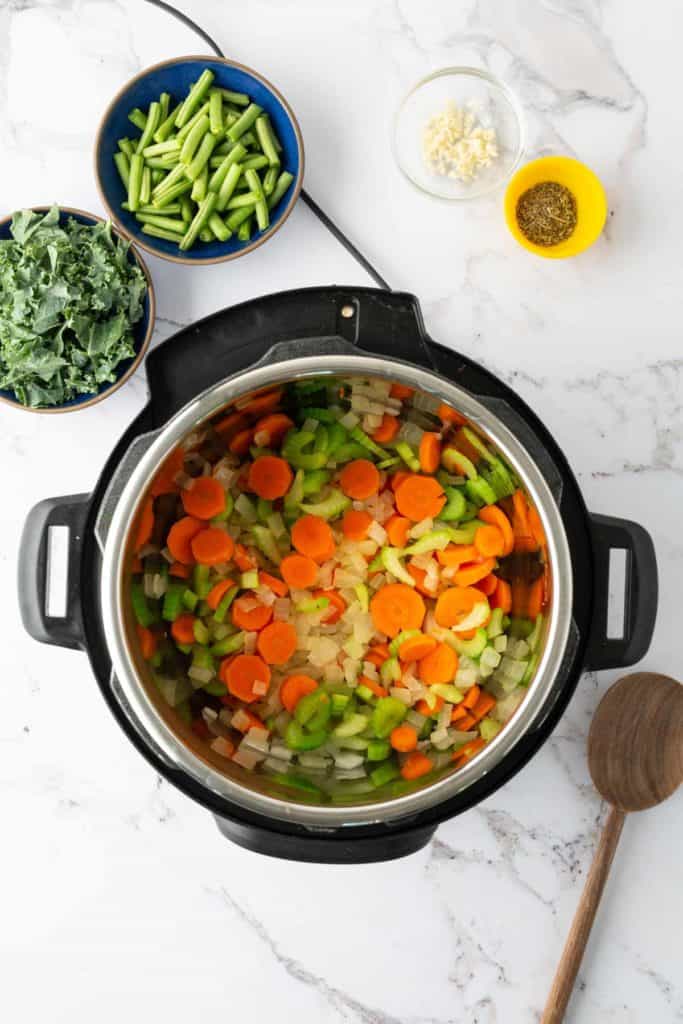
204, 166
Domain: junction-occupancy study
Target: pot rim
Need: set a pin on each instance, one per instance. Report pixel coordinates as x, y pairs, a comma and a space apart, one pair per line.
113, 528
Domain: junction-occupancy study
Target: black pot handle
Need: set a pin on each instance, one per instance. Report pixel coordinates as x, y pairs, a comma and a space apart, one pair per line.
34, 570
340, 847
640, 598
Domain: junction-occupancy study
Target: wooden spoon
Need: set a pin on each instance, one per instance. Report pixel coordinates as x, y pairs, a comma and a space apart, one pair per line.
635, 757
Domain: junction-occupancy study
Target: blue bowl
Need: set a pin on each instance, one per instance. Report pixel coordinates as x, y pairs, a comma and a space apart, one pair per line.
175, 77
142, 330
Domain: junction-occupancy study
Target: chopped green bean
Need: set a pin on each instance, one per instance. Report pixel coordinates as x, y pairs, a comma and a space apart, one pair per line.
201, 157
243, 199
159, 148
186, 208
244, 233
200, 186
171, 179
269, 180
168, 210
164, 102
135, 181
184, 132
206, 208
151, 125
138, 118
261, 208
240, 99
146, 186
194, 97
245, 122
191, 143
233, 157
264, 133
228, 187
171, 194
216, 112
167, 223
123, 167
255, 163
236, 219
167, 125
281, 186
162, 163
157, 176
206, 234
220, 230
126, 146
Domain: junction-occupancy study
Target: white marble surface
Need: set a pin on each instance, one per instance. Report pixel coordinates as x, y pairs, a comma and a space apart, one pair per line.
118, 898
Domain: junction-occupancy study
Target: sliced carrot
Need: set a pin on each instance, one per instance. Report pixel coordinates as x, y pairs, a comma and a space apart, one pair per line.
212, 546
401, 391
164, 481
419, 576
182, 629
396, 607
430, 452
356, 523
454, 604
148, 642
456, 554
258, 405
461, 442
299, 571
535, 598
536, 527
179, 570
496, 517
403, 738
204, 499
439, 666
248, 720
241, 442
241, 673
466, 723
471, 697
359, 479
468, 575
375, 687
136, 564
489, 541
377, 655
229, 425
457, 713
271, 429
387, 430
397, 530
420, 497
278, 587
502, 596
180, 537
487, 585
398, 477
294, 688
423, 708
337, 606
312, 536
242, 559
249, 614
485, 704
145, 524
449, 415
468, 750
524, 540
417, 647
270, 477
277, 643
519, 591
218, 592
416, 765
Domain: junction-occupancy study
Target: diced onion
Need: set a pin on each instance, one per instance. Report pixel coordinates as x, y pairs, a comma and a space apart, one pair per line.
247, 758
405, 696
377, 533
250, 643
201, 675
349, 420
220, 745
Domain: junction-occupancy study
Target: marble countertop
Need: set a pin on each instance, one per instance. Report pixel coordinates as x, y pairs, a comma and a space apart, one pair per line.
118, 897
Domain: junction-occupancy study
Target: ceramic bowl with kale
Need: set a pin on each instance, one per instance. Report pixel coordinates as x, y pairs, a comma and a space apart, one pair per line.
76, 309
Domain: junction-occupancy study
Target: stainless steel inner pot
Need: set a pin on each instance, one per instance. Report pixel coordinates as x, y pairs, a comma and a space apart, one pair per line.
158, 724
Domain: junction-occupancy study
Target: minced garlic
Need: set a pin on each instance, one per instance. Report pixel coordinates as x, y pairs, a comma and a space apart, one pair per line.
457, 145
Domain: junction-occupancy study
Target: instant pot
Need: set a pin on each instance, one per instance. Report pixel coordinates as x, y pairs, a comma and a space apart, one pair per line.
265, 343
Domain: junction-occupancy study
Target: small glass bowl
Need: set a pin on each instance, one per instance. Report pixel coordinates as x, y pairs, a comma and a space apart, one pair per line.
494, 106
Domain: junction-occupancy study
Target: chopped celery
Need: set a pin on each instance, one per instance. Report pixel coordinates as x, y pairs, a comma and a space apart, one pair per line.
245, 507
313, 711
215, 688
321, 415
227, 511
202, 658
521, 628
390, 670
184, 648
228, 645
265, 542
405, 634
351, 742
435, 540
455, 462
340, 702
201, 632
313, 604
385, 772
500, 643
173, 602
351, 726
190, 599
331, 507
226, 601
388, 713
465, 533
473, 647
534, 637
378, 750
264, 509
321, 443
365, 693
294, 496
141, 609
314, 481
297, 739
363, 596
408, 455
293, 450
495, 626
488, 728
500, 480
480, 492
530, 669
450, 693
249, 580
455, 505
200, 581
390, 559
479, 445
349, 450
490, 660
336, 437
362, 438
388, 463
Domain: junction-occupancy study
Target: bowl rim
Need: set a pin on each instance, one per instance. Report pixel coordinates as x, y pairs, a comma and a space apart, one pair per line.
497, 83
273, 228
135, 365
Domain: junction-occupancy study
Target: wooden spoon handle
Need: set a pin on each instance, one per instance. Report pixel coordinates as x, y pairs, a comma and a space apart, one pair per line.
568, 967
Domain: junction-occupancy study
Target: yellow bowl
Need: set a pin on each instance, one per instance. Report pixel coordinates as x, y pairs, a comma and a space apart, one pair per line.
591, 203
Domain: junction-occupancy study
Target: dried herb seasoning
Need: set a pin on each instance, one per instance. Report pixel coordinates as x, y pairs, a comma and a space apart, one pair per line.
546, 213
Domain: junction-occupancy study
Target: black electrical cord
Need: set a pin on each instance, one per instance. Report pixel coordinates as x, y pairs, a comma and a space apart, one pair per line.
324, 219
